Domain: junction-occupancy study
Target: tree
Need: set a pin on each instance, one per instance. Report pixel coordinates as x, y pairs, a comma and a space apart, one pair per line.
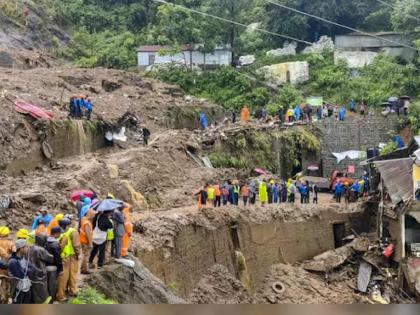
403, 20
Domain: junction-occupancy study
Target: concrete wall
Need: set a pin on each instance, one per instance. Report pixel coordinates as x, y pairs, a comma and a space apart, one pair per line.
355, 59
287, 72
218, 57
196, 248
348, 135
367, 43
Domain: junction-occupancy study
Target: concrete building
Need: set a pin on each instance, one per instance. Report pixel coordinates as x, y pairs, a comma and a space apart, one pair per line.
360, 50
288, 72
190, 55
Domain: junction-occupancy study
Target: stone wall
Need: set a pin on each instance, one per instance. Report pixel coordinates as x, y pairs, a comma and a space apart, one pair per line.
358, 134
197, 248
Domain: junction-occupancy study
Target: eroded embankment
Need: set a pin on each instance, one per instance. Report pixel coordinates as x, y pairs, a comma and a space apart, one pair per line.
179, 247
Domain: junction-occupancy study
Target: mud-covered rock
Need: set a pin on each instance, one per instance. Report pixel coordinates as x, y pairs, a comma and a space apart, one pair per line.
132, 285
219, 286
110, 86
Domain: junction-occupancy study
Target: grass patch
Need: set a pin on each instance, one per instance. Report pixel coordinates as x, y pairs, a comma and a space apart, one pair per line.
90, 296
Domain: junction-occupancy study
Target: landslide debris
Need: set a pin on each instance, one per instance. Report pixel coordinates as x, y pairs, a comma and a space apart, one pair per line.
287, 284
219, 286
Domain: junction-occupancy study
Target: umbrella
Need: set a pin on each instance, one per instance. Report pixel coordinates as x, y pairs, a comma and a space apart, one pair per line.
393, 99
260, 171
108, 205
75, 195
405, 97
386, 104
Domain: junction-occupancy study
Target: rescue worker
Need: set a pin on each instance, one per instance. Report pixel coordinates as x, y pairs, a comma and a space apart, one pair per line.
103, 224
211, 195
236, 192
44, 215
290, 115
87, 202
263, 193
119, 230
146, 135
54, 222
245, 194
252, 193
303, 193
39, 258
56, 268
204, 122
86, 240
339, 188
41, 229
20, 268
6, 250
128, 230
24, 234
202, 197
245, 114
89, 108
276, 193
70, 253
342, 114
218, 196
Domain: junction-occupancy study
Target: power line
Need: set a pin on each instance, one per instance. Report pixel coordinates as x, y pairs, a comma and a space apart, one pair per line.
234, 22
340, 25
396, 8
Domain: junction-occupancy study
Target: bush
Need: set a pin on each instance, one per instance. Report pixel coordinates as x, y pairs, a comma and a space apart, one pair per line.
90, 296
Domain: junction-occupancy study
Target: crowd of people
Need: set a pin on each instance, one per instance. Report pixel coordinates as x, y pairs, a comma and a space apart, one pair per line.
233, 192
80, 106
42, 265
303, 113
351, 191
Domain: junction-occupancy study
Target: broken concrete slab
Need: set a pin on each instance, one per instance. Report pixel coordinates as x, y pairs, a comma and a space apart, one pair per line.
336, 257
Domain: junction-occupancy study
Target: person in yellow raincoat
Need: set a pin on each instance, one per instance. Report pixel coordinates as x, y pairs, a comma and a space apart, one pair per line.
290, 115
128, 230
245, 114
263, 192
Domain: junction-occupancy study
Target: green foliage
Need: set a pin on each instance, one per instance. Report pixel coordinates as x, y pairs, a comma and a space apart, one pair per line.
414, 115
90, 296
224, 160
225, 86
389, 148
101, 49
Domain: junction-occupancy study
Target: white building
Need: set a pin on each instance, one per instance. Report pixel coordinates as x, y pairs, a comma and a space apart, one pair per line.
190, 55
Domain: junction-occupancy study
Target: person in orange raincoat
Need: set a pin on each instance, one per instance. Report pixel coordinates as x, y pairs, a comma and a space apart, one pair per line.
41, 229
245, 114
128, 230
54, 222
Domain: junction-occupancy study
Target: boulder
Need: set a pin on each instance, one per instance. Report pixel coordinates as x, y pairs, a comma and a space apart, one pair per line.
128, 285
324, 44
246, 60
110, 86
287, 50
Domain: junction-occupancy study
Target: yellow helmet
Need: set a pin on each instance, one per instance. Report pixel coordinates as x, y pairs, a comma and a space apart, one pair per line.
59, 217
4, 231
22, 234
110, 196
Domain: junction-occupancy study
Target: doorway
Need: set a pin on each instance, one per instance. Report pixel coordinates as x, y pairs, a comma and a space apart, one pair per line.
339, 230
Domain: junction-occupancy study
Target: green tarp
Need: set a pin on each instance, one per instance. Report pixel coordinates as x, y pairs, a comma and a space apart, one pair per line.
315, 101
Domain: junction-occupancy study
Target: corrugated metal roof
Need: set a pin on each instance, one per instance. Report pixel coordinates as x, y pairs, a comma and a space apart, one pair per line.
398, 178
156, 48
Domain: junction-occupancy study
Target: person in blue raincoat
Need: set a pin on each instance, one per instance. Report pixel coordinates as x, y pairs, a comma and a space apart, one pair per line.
44, 216
342, 114
89, 108
399, 141
204, 122
87, 202
352, 106
297, 113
